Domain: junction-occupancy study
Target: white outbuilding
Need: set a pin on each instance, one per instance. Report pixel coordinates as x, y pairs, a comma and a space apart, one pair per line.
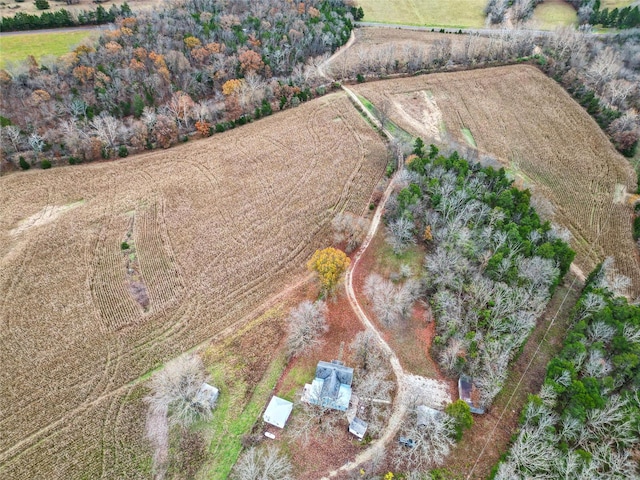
277, 412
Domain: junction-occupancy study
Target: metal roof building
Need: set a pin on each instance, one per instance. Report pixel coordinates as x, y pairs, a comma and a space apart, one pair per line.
277, 412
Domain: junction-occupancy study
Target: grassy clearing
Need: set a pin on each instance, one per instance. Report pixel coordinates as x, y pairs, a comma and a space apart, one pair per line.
245, 368
468, 136
554, 13
16, 48
233, 419
394, 129
437, 13
294, 381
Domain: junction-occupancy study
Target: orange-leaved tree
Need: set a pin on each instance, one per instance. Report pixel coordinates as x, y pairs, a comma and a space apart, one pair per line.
329, 263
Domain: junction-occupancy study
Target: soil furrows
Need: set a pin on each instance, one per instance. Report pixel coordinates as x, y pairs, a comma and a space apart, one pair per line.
108, 281
163, 282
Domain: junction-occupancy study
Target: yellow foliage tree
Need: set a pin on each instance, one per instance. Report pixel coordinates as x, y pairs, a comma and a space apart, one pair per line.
428, 236
329, 263
192, 42
230, 86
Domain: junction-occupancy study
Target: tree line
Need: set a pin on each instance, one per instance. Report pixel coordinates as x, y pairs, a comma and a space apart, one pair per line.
589, 13
63, 18
585, 421
159, 76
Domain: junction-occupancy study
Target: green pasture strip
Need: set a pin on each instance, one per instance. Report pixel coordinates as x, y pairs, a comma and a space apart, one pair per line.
231, 421
436, 13
394, 129
468, 136
16, 48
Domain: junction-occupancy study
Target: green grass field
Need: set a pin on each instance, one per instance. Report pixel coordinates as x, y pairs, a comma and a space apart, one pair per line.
554, 13
15, 48
610, 4
438, 13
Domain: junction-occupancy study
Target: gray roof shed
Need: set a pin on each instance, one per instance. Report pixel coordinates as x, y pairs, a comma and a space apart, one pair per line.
358, 427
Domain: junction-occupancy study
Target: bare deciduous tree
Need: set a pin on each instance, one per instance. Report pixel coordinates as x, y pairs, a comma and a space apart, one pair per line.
306, 323
604, 68
431, 436
36, 142
107, 129
391, 303
265, 464
312, 421
366, 350
175, 388
350, 229
12, 133
400, 234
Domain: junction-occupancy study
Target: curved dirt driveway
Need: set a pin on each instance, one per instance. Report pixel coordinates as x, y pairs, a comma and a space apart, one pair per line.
399, 404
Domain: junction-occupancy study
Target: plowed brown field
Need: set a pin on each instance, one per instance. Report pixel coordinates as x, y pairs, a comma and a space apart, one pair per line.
534, 128
214, 228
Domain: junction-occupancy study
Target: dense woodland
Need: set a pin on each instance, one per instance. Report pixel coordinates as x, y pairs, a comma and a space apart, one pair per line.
205, 65
585, 422
491, 265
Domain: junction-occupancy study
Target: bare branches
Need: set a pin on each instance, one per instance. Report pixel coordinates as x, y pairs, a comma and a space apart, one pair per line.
431, 436
400, 234
366, 350
311, 420
265, 464
390, 303
175, 388
306, 323
350, 229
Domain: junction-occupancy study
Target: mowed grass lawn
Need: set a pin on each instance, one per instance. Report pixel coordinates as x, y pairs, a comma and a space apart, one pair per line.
438, 13
554, 13
15, 48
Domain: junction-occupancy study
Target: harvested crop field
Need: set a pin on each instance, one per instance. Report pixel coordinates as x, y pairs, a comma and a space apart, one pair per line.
107, 270
533, 127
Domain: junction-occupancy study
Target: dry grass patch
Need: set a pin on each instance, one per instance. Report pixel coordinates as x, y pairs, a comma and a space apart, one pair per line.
216, 228
537, 131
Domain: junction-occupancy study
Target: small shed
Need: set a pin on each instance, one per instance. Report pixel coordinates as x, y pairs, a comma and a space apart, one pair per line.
468, 392
277, 412
358, 427
207, 396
